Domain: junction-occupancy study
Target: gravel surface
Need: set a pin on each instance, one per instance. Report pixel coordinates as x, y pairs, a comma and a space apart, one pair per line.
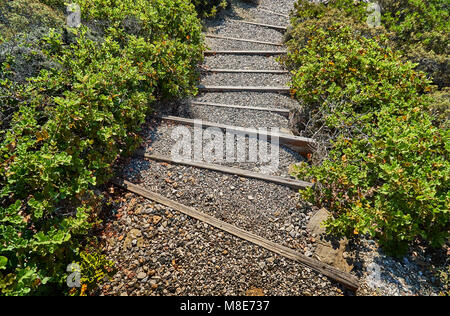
253, 119
159, 251
158, 140
259, 99
231, 28
245, 79
220, 44
263, 208
281, 6
253, 62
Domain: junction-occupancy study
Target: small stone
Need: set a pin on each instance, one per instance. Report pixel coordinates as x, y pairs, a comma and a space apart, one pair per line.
141, 275
251, 198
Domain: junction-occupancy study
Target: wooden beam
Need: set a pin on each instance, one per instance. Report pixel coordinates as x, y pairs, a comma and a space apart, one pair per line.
273, 12
284, 112
242, 40
245, 52
252, 71
346, 279
302, 145
203, 88
291, 183
276, 27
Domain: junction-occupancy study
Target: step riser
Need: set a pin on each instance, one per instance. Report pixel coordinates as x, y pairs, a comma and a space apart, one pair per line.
301, 145
293, 184
244, 52
273, 110
243, 89
242, 40
276, 27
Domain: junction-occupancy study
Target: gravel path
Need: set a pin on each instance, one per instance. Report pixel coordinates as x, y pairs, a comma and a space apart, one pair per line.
254, 62
245, 79
159, 251
162, 252
158, 140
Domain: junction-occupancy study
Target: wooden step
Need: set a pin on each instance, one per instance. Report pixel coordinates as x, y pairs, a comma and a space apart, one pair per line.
245, 52
276, 27
252, 71
284, 112
346, 279
291, 183
302, 145
203, 88
273, 12
242, 40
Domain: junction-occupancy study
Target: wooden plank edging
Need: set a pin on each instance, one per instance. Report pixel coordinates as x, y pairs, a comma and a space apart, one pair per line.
273, 12
203, 88
346, 279
252, 71
302, 145
284, 112
291, 183
245, 52
242, 40
276, 27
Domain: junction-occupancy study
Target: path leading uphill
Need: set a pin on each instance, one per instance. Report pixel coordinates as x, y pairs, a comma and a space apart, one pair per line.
222, 227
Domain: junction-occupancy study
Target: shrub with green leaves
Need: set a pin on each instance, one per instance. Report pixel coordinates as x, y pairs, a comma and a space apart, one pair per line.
417, 28
387, 169
209, 8
70, 124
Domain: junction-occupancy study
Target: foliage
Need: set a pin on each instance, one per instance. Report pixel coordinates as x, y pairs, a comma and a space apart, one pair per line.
387, 173
444, 276
209, 8
440, 108
417, 28
26, 16
94, 268
416, 21
72, 121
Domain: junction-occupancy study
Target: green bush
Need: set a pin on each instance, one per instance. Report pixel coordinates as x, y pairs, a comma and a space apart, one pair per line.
25, 16
208, 8
387, 170
73, 120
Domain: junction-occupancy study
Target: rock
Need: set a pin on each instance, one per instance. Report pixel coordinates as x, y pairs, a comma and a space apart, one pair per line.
330, 251
134, 233
141, 275
156, 219
254, 291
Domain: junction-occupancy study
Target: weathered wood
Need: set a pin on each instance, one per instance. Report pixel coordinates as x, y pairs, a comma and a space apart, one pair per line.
253, 71
273, 12
346, 279
203, 88
245, 52
302, 145
276, 27
291, 183
283, 112
242, 40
